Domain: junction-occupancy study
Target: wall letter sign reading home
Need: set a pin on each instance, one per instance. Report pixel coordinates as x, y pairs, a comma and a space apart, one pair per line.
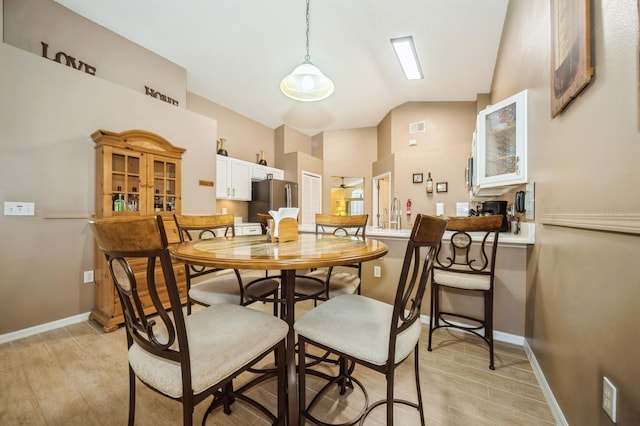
151, 92
70, 61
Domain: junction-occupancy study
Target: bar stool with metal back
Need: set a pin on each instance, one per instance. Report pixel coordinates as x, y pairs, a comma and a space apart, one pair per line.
369, 332
335, 282
187, 358
467, 270
220, 287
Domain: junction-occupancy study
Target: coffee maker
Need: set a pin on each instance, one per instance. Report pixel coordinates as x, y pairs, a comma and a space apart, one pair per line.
490, 208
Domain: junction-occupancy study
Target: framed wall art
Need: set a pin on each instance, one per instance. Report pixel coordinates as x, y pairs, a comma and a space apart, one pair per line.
571, 66
417, 178
442, 187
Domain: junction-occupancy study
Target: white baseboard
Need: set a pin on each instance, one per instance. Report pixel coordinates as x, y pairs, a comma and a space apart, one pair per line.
497, 335
544, 386
4, 338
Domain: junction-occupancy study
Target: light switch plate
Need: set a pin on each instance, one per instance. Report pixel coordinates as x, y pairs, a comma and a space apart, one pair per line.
19, 208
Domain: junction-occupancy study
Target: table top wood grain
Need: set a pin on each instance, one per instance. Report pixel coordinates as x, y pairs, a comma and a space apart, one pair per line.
254, 252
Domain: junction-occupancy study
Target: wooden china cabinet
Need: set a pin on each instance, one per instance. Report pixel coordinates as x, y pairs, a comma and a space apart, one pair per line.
137, 174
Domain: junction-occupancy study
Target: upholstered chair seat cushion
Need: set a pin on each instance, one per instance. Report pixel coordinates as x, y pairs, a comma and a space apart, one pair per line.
341, 282
222, 338
357, 326
461, 280
224, 288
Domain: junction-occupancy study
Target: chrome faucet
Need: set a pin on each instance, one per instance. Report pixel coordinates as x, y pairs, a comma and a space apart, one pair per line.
396, 214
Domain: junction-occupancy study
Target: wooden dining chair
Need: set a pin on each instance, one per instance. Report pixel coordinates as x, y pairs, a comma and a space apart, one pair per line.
326, 283
461, 268
372, 333
210, 286
186, 358
263, 220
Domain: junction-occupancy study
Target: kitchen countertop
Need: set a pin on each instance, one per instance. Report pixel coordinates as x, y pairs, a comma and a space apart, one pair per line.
525, 237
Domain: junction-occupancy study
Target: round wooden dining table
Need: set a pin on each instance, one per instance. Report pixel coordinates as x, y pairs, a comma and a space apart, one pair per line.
255, 252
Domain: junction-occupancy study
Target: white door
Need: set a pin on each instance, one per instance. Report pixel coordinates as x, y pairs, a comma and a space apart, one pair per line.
381, 200
311, 197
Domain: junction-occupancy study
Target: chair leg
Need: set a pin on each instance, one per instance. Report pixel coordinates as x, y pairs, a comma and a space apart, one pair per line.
189, 302
390, 379
418, 392
228, 397
187, 410
345, 376
132, 397
301, 380
282, 384
435, 312
488, 325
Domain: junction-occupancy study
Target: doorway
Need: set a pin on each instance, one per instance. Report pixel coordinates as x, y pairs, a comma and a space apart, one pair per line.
311, 190
347, 195
381, 200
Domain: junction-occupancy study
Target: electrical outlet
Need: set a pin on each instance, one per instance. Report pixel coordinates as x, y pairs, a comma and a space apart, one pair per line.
377, 271
88, 277
609, 398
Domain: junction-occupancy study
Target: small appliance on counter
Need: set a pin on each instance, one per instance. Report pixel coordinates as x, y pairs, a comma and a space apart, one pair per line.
490, 208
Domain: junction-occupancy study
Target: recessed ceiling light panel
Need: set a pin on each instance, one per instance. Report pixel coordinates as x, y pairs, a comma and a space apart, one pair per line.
406, 53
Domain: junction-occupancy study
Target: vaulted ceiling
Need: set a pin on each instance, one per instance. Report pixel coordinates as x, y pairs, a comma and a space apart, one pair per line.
236, 52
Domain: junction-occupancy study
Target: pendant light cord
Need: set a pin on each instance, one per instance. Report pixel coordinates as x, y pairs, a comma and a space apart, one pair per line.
307, 58
306, 82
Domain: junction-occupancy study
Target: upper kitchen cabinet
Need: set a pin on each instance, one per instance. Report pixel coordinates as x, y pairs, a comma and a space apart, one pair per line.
234, 179
501, 145
260, 172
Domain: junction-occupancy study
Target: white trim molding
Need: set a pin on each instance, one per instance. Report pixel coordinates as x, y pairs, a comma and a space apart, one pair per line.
626, 222
497, 335
20, 334
544, 386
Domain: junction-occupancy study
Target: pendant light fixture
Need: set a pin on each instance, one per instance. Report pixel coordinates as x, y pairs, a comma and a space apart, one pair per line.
306, 82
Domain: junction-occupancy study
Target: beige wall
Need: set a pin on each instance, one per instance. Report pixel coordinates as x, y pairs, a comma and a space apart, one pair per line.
583, 289
289, 140
30, 22
384, 136
47, 157
317, 145
245, 137
443, 149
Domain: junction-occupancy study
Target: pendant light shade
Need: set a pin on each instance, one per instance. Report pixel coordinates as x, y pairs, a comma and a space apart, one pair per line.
306, 82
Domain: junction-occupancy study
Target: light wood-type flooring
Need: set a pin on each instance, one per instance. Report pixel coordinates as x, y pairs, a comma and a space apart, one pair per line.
78, 375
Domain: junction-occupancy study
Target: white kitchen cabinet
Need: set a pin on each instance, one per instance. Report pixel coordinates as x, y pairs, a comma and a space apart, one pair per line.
244, 229
249, 229
260, 172
234, 179
501, 145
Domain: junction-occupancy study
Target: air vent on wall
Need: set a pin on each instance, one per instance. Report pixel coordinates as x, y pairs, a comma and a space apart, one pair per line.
417, 127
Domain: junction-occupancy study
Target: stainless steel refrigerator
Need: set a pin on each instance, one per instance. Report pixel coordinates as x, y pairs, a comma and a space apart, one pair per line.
271, 194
